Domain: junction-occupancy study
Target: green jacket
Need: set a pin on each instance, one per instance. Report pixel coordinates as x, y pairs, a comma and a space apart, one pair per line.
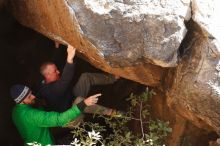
33, 123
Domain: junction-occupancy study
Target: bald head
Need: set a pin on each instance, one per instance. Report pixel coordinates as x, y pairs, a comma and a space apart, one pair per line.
50, 72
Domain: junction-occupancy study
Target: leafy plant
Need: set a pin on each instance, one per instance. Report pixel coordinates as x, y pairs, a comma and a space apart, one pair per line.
152, 132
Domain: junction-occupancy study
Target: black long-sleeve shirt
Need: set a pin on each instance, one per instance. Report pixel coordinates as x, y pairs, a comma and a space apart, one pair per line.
58, 94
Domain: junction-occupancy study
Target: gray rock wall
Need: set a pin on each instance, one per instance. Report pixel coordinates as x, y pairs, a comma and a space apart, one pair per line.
133, 31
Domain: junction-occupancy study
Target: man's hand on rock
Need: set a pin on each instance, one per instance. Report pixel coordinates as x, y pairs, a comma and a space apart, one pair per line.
70, 53
57, 44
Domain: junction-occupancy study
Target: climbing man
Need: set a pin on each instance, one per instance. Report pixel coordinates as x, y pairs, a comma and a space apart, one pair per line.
58, 92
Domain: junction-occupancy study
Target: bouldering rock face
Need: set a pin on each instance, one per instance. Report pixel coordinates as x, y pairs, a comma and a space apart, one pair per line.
120, 37
195, 92
133, 31
206, 15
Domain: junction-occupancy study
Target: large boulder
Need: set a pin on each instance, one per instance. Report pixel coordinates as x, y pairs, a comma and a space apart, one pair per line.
195, 90
133, 31
206, 16
120, 37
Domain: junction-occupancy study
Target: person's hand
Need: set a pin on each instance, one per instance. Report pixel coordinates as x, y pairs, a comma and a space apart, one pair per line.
57, 44
91, 100
70, 53
117, 77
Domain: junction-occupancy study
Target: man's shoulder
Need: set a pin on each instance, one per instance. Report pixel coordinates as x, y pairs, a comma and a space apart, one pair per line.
45, 86
19, 109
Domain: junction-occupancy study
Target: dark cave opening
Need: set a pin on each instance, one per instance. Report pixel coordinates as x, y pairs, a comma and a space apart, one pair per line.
22, 52
190, 37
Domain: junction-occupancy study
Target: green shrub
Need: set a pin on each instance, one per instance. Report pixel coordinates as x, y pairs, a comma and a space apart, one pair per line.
153, 132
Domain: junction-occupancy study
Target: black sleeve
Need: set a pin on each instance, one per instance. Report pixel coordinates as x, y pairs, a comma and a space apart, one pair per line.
81, 106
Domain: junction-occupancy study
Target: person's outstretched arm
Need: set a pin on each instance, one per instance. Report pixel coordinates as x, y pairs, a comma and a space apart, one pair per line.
62, 84
52, 119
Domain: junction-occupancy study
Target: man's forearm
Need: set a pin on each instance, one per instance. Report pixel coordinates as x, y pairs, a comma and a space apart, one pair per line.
68, 71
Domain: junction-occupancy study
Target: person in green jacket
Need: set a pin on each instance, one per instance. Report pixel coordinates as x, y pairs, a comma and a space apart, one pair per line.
33, 123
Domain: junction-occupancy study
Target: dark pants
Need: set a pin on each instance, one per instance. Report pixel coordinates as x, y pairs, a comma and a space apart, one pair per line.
81, 90
86, 80
82, 87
